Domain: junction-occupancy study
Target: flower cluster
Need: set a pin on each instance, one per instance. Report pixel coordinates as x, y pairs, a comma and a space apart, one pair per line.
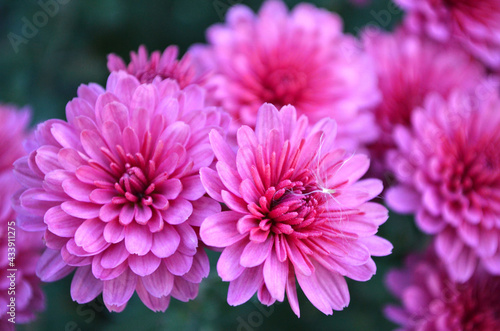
257, 144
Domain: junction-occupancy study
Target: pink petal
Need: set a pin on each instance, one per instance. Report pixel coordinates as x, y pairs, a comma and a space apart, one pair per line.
82, 210
178, 211
184, 290
138, 239
84, 286
202, 208
229, 177
178, 263
200, 267
117, 292
275, 276
114, 232
255, 254
267, 119
89, 236
212, 183
114, 255
60, 223
156, 304
220, 230
223, 152
244, 287
228, 265
77, 190
192, 189
402, 199
160, 282
325, 290
165, 242
51, 266
143, 265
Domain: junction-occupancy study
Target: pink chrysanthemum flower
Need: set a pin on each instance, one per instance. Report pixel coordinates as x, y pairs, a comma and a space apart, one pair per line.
19, 250
300, 58
118, 193
409, 68
164, 65
432, 301
448, 167
475, 24
13, 123
296, 212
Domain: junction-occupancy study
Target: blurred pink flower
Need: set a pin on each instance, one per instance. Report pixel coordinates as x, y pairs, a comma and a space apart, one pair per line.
300, 58
163, 65
410, 67
13, 124
432, 301
18, 247
448, 167
297, 211
118, 192
475, 24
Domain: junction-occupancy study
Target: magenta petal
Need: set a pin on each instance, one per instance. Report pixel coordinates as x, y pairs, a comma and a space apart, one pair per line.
143, 213
89, 236
212, 183
154, 303
255, 254
84, 286
244, 287
402, 199
117, 292
114, 232
160, 282
143, 265
170, 189
51, 266
114, 255
223, 152
127, 214
192, 189
228, 265
82, 210
200, 267
102, 196
220, 230
178, 211
178, 263
165, 242
184, 290
60, 223
107, 274
77, 190
325, 290
138, 239
275, 276
202, 208
109, 212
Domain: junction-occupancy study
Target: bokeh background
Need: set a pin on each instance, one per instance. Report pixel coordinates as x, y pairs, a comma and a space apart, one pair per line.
43, 68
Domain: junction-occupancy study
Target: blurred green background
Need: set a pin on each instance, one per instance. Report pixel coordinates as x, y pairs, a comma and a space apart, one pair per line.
43, 68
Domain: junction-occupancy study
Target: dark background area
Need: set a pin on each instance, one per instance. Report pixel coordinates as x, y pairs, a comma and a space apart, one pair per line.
43, 68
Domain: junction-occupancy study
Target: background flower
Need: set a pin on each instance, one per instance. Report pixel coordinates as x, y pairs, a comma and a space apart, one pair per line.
473, 24
117, 191
410, 67
164, 65
19, 250
432, 301
297, 212
448, 169
300, 58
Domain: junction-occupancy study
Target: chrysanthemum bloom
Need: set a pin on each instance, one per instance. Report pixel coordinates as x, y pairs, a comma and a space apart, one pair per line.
475, 24
297, 212
410, 67
118, 193
19, 250
432, 301
300, 58
164, 65
13, 123
448, 167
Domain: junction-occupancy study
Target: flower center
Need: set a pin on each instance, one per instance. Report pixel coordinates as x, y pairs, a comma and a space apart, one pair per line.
284, 86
